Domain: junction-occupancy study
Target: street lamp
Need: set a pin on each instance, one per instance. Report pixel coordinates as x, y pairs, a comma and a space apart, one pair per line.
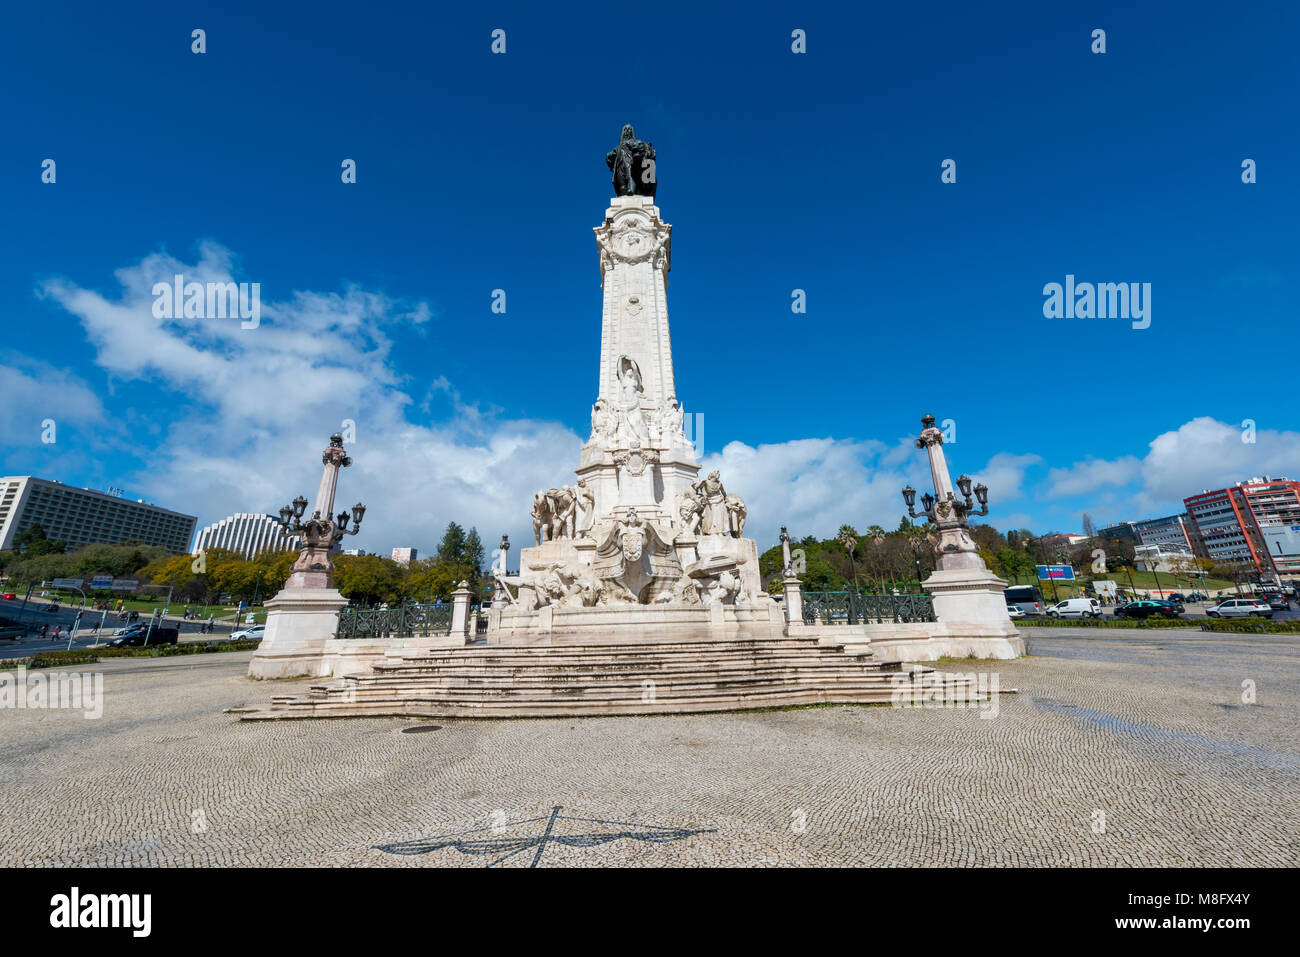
321, 532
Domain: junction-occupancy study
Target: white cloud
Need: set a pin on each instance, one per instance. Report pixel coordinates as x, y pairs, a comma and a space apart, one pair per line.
1205, 453
263, 401
1091, 475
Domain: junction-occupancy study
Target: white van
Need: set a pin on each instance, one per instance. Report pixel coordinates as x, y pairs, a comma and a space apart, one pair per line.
1075, 608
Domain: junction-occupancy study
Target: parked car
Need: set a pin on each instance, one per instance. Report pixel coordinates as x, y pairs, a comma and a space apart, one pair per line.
1240, 608
1146, 608
254, 633
9, 596
1015, 611
1075, 608
159, 636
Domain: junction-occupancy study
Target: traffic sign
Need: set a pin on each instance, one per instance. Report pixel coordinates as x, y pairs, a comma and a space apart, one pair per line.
67, 583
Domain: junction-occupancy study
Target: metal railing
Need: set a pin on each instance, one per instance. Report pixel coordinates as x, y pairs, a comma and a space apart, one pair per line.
400, 621
854, 608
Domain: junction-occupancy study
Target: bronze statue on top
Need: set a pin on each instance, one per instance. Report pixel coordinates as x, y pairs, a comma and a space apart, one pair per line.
633, 164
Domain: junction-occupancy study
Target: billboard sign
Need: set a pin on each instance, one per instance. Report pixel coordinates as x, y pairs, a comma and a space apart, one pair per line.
1061, 573
125, 584
101, 581
67, 583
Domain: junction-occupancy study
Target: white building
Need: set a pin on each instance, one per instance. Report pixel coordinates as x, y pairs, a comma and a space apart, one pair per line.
247, 533
83, 516
404, 556
1164, 558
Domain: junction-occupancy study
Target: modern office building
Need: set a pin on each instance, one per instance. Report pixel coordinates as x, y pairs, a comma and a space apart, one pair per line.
1173, 533
247, 533
1253, 523
83, 516
404, 556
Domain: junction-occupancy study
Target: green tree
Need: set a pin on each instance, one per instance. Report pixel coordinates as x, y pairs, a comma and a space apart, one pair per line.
472, 554
32, 541
452, 547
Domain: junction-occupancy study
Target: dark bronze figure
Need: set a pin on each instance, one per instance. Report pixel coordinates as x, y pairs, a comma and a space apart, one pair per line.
633, 164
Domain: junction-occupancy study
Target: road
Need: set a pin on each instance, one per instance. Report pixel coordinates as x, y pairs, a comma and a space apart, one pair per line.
36, 615
1193, 613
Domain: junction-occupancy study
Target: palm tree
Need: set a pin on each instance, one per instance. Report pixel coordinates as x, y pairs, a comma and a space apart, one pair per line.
849, 539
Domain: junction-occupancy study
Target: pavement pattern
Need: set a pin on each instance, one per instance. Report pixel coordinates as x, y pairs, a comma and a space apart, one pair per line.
1132, 748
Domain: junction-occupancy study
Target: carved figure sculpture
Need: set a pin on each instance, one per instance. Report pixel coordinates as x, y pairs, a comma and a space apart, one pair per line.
563, 509
690, 511
542, 516
713, 497
633, 164
736, 515
585, 500
632, 424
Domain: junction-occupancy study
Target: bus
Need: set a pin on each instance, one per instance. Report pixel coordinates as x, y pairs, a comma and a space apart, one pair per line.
1025, 597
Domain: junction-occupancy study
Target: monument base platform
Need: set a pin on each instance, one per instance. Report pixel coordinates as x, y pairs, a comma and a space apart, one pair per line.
638, 624
661, 677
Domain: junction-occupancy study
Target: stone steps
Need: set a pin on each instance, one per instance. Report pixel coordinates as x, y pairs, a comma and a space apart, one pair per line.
595, 679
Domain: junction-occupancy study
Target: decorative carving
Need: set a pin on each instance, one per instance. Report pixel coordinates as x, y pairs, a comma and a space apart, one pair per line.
635, 459
635, 560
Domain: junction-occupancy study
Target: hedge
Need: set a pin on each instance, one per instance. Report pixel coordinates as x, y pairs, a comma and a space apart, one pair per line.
1264, 626
1243, 626
1104, 623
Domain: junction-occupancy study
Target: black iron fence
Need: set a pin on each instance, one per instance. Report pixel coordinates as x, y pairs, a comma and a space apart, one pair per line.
854, 608
400, 621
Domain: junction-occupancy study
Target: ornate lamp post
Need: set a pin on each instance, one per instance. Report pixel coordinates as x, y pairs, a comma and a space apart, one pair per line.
949, 513
969, 600
304, 617
321, 532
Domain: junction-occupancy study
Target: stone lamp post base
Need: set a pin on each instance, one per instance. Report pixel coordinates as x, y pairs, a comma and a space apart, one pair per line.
971, 604
299, 621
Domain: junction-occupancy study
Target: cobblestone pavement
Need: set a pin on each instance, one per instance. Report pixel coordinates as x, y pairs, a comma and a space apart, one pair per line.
1146, 728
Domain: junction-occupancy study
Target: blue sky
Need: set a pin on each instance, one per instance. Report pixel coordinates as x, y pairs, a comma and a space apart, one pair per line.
778, 171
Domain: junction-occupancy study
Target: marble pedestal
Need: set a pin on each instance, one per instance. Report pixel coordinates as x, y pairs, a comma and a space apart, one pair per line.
299, 622
971, 605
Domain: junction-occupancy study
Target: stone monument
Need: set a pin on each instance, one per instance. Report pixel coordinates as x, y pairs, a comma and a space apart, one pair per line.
639, 545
